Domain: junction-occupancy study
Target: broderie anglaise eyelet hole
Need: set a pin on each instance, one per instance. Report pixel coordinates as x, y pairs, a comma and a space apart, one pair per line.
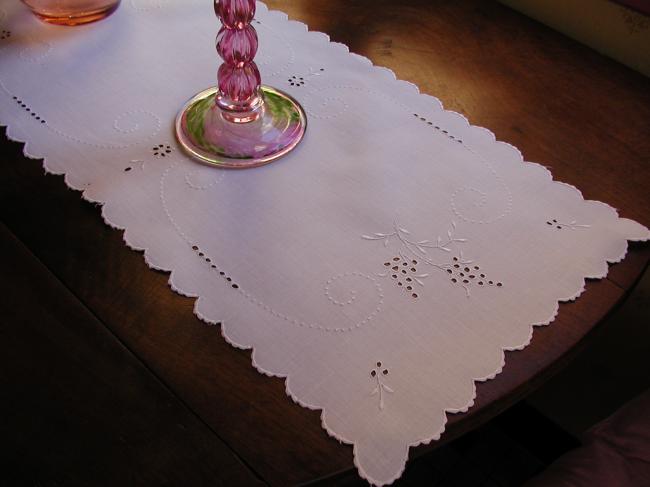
214, 267
464, 273
378, 370
404, 272
572, 225
437, 128
27, 109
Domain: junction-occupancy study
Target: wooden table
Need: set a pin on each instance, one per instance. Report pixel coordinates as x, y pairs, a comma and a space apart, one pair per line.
107, 377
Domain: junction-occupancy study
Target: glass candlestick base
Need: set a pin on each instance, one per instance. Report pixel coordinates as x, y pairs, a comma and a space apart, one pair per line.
224, 138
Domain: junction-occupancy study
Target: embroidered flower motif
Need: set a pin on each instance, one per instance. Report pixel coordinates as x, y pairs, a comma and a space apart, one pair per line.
403, 269
162, 150
467, 274
378, 373
296, 80
561, 226
5, 34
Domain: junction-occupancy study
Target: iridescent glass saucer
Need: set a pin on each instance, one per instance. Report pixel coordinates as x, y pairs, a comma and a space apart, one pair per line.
205, 131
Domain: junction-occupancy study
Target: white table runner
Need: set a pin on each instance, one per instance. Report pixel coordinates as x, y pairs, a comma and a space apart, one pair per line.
382, 268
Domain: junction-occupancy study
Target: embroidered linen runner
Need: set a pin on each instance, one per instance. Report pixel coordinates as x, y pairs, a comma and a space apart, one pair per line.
382, 268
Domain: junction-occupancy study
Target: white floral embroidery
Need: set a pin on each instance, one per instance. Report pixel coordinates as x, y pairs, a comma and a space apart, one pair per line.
297, 81
417, 247
573, 225
402, 268
377, 373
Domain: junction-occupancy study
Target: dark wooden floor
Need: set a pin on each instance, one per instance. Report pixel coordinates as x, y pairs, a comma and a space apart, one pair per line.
106, 376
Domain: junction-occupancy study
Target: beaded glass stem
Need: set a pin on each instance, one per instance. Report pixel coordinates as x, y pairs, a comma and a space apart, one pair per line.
239, 123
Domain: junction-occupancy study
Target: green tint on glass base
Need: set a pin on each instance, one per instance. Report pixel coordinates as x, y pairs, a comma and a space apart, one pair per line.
207, 136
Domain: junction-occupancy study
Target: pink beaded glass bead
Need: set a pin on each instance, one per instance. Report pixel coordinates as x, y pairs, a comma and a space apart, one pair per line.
235, 14
240, 84
237, 47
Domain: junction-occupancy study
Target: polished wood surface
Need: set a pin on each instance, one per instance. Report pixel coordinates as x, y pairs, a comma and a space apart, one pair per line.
125, 342
78, 407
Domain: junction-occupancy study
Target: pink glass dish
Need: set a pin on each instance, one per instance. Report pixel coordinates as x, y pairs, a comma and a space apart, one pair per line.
72, 12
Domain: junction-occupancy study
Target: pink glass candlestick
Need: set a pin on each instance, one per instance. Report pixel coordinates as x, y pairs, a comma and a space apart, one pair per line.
239, 123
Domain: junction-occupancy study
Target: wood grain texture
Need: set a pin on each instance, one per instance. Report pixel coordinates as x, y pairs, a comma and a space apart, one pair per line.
80, 409
563, 105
